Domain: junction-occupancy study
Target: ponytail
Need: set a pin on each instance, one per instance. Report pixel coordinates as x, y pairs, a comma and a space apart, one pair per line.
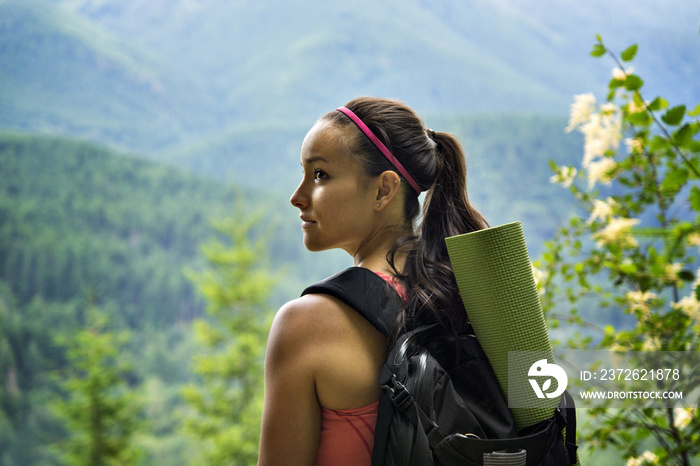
427, 273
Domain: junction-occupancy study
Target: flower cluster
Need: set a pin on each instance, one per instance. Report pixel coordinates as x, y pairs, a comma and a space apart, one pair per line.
646, 458
640, 301
602, 210
690, 305
602, 131
682, 417
564, 175
620, 74
617, 231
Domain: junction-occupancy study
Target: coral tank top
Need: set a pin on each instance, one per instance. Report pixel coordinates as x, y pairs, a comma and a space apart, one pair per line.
347, 435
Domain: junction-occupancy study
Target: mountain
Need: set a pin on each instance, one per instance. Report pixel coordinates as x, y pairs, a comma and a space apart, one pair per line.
216, 86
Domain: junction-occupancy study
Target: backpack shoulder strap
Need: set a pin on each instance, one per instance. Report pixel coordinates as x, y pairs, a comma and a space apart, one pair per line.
570, 439
366, 292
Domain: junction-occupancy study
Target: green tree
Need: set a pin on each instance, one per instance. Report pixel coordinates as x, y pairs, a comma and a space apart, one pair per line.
227, 403
630, 252
101, 413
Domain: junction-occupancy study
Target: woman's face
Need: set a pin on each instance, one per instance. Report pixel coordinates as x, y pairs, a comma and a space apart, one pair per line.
336, 203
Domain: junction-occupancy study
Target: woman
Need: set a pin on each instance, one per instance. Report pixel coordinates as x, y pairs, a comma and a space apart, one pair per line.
364, 167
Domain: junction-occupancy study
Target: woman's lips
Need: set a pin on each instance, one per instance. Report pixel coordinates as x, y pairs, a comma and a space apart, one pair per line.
306, 223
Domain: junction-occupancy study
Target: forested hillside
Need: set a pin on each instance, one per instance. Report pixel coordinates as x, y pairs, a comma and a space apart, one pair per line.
82, 227
74, 217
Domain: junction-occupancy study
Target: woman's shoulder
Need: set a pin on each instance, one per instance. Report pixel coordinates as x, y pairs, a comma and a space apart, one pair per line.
319, 324
314, 314
323, 336
300, 330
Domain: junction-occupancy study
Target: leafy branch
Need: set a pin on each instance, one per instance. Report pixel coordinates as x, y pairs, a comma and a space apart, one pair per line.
633, 253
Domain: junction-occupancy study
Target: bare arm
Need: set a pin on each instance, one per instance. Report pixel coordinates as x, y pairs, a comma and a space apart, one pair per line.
291, 414
320, 353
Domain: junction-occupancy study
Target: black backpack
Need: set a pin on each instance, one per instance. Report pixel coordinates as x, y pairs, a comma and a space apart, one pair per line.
435, 410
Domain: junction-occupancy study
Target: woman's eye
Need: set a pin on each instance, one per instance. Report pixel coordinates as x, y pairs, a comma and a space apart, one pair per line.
320, 174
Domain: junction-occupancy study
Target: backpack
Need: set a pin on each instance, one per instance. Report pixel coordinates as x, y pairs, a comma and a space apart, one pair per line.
438, 410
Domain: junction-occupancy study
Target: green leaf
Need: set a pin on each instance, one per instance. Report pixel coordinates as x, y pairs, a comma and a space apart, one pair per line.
633, 82
694, 198
675, 179
639, 119
659, 143
674, 116
628, 55
615, 83
651, 232
600, 39
682, 135
598, 50
697, 292
628, 268
686, 275
695, 112
658, 104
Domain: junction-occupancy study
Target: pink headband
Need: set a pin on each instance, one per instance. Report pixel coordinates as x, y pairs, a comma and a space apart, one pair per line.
382, 148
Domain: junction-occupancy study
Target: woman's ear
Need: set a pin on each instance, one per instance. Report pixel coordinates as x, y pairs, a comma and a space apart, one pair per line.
388, 184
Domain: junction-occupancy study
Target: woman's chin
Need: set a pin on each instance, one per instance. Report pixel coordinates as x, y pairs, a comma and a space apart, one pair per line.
313, 246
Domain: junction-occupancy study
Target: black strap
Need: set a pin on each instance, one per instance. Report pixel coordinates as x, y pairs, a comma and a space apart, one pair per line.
570, 440
367, 293
400, 397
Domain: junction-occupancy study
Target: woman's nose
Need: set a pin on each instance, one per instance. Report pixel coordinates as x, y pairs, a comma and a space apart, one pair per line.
299, 198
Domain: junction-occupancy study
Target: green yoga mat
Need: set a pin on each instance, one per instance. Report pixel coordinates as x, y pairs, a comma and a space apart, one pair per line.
497, 285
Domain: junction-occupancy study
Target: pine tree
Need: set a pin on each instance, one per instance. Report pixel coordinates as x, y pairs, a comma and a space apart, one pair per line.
100, 411
227, 404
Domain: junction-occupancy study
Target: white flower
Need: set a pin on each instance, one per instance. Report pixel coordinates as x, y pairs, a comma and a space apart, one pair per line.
639, 300
696, 283
617, 347
647, 457
608, 108
632, 107
650, 457
593, 144
599, 171
565, 175
540, 277
651, 344
602, 132
581, 110
671, 271
617, 231
621, 75
602, 209
693, 239
690, 306
634, 145
682, 417
612, 126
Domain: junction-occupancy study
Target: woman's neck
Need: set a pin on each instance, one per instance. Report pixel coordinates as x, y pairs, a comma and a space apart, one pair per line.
373, 253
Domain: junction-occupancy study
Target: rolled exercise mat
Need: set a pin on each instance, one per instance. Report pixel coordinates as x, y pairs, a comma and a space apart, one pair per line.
497, 285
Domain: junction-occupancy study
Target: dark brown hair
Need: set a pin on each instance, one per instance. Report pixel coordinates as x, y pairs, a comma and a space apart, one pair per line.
437, 163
